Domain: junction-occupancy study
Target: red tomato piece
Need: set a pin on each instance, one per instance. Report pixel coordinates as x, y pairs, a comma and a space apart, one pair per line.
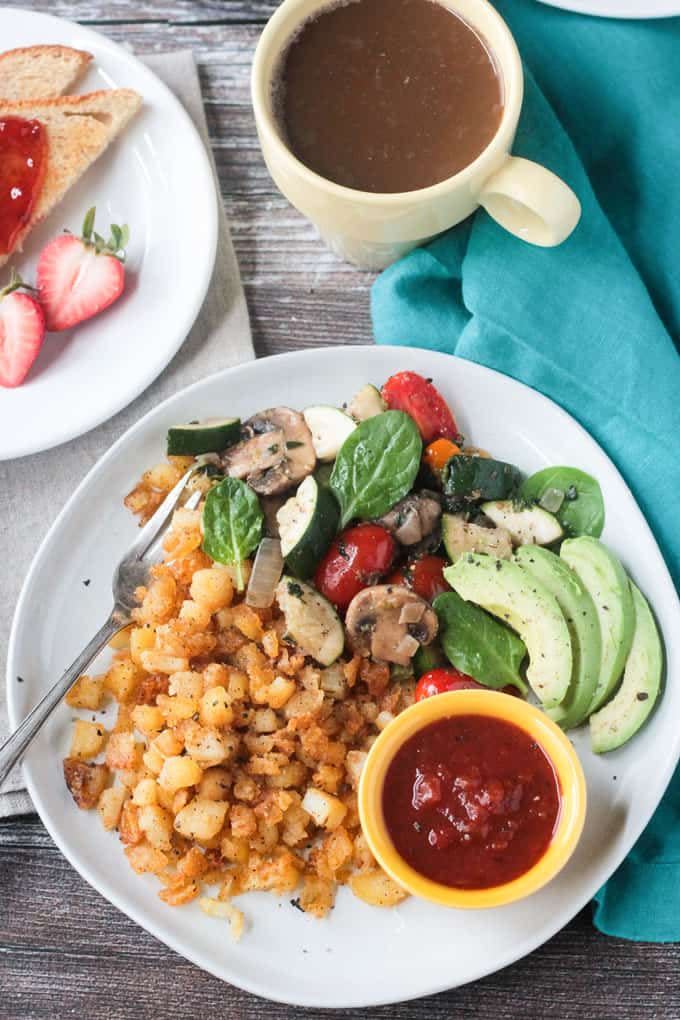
424, 576
359, 556
410, 392
448, 678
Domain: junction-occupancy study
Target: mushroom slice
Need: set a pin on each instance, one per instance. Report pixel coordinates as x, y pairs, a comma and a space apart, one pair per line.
381, 622
276, 451
413, 518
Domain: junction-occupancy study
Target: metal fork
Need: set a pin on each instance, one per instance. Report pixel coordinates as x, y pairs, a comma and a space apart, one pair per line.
131, 572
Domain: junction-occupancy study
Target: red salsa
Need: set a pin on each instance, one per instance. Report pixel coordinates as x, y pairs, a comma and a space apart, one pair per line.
23, 161
471, 802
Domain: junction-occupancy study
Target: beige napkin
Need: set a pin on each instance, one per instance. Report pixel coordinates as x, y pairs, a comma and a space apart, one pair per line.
33, 489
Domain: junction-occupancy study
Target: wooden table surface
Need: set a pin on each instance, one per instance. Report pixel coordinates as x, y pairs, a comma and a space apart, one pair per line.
64, 951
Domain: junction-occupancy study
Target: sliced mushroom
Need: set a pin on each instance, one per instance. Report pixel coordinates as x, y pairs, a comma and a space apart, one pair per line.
275, 453
389, 622
413, 518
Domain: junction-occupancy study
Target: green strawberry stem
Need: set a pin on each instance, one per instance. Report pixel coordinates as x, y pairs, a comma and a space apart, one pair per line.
15, 282
116, 243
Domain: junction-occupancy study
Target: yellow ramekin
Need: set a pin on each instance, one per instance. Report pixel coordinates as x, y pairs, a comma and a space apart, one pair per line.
491, 704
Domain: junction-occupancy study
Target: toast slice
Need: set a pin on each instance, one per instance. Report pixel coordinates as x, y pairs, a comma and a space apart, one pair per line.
40, 72
79, 129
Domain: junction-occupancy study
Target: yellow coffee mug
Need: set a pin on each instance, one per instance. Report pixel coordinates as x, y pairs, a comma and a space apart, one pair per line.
372, 230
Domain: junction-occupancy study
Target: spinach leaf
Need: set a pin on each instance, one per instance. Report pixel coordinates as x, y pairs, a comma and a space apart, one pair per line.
477, 644
582, 511
376, 466
232, 524
471, 479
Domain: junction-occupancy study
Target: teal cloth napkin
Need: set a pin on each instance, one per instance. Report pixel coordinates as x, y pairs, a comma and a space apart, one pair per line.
593, 324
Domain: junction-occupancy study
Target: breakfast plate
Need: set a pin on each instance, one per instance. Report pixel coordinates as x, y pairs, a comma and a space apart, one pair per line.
157, 178
619, 8
359, 956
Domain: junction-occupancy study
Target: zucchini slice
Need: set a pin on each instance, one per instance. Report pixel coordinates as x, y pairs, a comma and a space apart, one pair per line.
311, 620
366, 403
527, 525
208, 436
461, 536
307, 524
329, 427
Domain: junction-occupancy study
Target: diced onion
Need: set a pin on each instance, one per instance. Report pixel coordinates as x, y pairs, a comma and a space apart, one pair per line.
551, 500
267, 570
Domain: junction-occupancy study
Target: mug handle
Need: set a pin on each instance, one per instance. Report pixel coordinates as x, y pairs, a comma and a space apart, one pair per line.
531, 202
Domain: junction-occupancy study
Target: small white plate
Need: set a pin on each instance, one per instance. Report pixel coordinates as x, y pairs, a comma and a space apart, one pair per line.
359, 956
157, 178
620, 8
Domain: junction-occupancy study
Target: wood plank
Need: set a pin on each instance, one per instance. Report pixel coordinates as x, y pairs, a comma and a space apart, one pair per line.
60, 942
174, 12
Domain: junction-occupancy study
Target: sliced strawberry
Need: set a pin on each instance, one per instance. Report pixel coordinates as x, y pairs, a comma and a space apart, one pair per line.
78, 277
22, 331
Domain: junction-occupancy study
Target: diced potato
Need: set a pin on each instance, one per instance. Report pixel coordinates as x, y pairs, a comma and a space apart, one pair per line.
87, 692
265, 721
215, 709
292, 774
354, 763
88, 739
187, 685
376, 888
122, 679
209, 747
159, 662
156, 824
153, 761
243, 821
280, 691
123, 723
121, 640
148, 719
326, 810
216, 674
84, 781
333, 681
175, 708
212, 588
195, 616
128, 825
328, 777
302, 703
179, 800
238, 686
145, 859
215, 784
145, 793
142, 639
225, 911
123, 751
178, 772
384, 719
235, 849
317, 895
201, 819
110, 805
167, 743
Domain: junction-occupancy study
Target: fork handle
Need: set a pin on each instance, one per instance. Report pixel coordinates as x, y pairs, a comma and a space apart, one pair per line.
14, 747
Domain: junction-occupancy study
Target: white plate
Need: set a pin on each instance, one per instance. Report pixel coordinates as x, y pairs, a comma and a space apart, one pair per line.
157, 178
360, 956
620, 8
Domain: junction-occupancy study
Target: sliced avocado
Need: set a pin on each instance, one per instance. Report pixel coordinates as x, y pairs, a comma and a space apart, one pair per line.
507, 591
606, 582
461, 536
581, 618
526, 525
623, 716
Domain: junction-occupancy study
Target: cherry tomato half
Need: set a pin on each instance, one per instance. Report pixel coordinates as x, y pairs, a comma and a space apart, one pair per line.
358, 557
424, 576
410, 392
438, 681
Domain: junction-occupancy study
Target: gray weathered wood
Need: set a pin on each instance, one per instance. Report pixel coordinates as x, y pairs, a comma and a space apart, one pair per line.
64, 951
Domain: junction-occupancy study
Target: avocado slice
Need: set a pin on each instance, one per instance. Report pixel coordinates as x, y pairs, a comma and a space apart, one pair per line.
506, 590
584, 629
619, 720
606, 582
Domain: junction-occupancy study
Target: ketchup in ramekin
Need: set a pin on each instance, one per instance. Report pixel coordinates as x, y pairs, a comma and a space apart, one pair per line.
471, 801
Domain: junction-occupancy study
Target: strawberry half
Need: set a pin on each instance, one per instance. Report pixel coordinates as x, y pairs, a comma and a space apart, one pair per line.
22, 331
78, 277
